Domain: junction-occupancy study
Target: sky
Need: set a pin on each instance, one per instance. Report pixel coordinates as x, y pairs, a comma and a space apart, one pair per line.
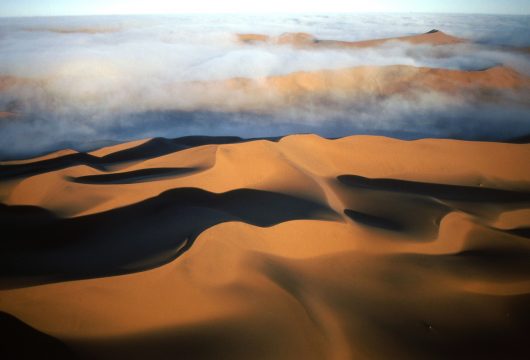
16, 8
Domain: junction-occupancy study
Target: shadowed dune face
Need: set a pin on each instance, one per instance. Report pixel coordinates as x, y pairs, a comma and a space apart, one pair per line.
105, 161
360, 247
430, 202
20, 341
440, 191
132, 177
153, 231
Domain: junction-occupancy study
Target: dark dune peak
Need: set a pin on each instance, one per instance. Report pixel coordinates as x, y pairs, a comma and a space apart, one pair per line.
162, 146
39, 167
150, 149
206, 140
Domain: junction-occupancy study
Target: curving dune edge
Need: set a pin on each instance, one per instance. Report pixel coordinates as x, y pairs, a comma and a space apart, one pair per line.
360, 247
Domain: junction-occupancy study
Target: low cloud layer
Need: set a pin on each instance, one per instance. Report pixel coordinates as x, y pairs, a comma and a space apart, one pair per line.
78, 81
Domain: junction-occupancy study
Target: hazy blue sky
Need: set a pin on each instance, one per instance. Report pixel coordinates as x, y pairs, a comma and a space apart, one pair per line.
99, 7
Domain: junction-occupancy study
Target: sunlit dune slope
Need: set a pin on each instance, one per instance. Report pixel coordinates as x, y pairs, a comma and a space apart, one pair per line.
361, 247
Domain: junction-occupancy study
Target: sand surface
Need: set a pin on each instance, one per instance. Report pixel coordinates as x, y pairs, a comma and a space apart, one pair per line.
361, 247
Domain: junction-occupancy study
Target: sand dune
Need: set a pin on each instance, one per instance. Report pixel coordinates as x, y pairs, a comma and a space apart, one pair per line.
321, 91
343, 87
360, 247
329, 85
433, 37
37, 159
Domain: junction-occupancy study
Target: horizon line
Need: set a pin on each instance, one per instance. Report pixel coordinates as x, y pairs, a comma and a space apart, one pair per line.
263, 13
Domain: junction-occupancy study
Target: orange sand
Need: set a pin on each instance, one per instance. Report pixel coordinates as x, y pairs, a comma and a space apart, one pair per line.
424, 271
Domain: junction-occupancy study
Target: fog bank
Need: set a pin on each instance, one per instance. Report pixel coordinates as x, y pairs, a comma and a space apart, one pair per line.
78, 80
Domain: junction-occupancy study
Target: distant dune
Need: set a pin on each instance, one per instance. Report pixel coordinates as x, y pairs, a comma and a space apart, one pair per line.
341, 87
375, 81
325, 88
433, 37
361, 247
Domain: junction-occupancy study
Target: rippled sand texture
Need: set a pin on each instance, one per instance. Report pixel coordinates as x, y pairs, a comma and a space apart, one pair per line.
304, 248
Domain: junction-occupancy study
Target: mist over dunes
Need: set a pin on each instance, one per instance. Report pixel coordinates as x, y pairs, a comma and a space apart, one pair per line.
67, 82
265, 187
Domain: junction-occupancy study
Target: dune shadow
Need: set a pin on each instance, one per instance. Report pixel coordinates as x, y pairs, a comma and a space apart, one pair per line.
423, 321
417, 208
235, 338
132, 177
9, 172
21, 341
522, 232
440, 191
374, 221
42, 247
150, 149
